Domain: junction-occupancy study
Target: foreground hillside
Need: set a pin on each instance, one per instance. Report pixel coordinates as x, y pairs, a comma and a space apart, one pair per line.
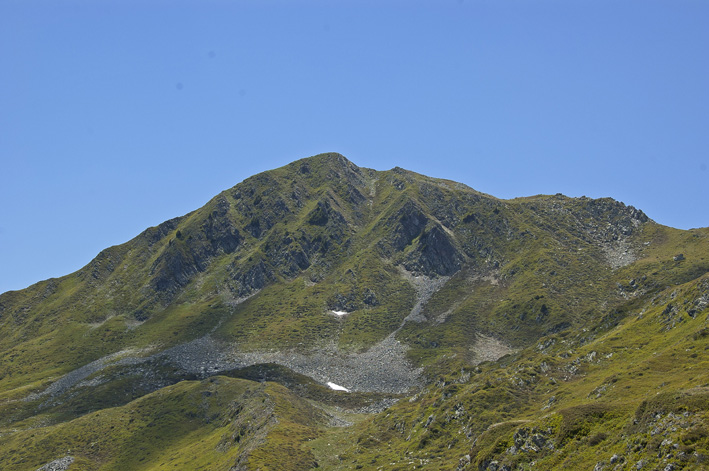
472, 333
630, 392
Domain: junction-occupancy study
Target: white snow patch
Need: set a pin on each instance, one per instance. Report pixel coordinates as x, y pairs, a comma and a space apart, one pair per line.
340, 313
337, 387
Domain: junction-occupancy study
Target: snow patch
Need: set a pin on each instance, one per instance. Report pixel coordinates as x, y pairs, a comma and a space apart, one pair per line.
337, 387
340, 313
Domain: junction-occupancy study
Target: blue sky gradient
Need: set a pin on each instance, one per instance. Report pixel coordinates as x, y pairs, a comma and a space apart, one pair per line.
118, 115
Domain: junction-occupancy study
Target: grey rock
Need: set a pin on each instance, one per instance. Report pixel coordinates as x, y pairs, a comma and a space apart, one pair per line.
61, 464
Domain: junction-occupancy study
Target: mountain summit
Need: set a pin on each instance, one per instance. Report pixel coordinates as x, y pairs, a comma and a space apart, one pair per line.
322, 286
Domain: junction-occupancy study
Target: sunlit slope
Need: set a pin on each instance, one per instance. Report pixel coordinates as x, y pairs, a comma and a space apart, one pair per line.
629, 392
383, 281
219, 423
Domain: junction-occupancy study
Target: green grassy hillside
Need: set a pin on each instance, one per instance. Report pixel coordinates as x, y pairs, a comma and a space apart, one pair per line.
472, 312
629, 392
213, 424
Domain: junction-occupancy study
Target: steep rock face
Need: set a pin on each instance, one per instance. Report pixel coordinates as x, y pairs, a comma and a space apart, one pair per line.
435, 254
220, 232
250, 278
410, 223
173, 270
190, 252
421, 243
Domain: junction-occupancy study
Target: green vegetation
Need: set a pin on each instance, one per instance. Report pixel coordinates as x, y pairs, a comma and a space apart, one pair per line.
570, 401
600, 314
211, 424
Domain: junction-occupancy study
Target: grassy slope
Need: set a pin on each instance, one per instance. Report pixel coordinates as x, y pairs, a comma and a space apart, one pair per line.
531, 268
638, 390
212, 424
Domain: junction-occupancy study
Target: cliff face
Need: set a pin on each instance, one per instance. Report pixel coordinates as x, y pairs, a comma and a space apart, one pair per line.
374, 280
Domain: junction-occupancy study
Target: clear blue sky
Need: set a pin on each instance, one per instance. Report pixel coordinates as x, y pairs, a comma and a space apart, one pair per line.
118, 115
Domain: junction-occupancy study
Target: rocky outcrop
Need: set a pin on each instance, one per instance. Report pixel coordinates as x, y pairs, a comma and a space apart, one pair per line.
248, 279
62, 464
191, 251
410, 222
325, 215
435, 254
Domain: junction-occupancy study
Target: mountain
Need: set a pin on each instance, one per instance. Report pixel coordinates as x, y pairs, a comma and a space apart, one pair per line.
468, 332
